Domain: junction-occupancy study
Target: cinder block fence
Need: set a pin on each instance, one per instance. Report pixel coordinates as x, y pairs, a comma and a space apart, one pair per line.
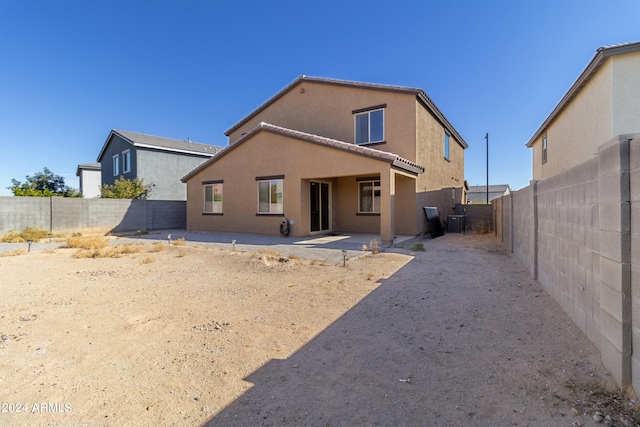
578, 232
65, 215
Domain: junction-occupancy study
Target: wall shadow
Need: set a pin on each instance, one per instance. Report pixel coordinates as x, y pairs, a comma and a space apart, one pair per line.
424, 348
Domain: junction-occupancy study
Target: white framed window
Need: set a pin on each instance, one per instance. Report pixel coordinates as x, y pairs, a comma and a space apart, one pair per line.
369, 125
446, 145
126, 161
213, 197
369, 196
116, 164
270, 196
544, 149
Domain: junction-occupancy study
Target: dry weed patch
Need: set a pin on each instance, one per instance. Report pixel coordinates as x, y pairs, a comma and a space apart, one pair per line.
29, 233
157, 247
14, 253
179, 242
80, 242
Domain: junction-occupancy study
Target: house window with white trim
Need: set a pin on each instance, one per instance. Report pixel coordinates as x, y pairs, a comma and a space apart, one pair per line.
544, 149
369, 125
213, 198
369, 196
270, 196
126, 161
116, 164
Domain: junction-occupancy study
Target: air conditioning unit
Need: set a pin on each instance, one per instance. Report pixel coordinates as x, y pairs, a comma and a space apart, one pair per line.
455, 223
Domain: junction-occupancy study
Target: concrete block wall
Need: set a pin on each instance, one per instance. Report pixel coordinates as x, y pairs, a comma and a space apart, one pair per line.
523, 243
578, 232
568, 240
67, 215
634, 198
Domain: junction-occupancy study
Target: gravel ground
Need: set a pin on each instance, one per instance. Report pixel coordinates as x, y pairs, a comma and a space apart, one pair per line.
455, 335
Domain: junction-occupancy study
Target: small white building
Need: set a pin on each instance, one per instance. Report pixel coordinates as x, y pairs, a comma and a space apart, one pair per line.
90, 179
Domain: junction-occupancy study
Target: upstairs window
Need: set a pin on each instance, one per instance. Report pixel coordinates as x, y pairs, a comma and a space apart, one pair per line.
126, 161
116, 164
369, 124
446, 145
544, 149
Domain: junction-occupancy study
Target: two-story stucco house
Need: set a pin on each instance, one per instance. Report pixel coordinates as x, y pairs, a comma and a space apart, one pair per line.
603, 102
159, 162
331, 156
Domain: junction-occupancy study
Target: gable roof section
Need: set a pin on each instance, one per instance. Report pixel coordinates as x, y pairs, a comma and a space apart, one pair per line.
160, 143
602, 53
384, 156
419, 93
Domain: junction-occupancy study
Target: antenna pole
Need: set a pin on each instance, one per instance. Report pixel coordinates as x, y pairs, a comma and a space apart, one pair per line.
487, 138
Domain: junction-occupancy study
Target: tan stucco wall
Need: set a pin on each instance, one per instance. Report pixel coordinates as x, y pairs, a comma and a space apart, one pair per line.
626, 94
439, 172
585, 123
326, 110
267, 154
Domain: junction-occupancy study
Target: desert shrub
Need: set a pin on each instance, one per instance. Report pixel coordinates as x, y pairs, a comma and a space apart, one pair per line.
130, 248
179, 242
157, 247
13, 253
29, 233
147, 260
182, 253
97, 242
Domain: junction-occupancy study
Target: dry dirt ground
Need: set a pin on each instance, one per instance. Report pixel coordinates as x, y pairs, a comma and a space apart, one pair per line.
457, 335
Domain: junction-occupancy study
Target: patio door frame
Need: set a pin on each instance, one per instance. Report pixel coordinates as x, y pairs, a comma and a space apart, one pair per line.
324, 208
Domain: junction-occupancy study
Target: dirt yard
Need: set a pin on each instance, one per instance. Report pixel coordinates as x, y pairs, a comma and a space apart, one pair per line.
456, 335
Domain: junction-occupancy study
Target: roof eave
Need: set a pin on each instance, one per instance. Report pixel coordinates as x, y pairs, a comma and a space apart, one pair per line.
594, 65
422, 96
320, 80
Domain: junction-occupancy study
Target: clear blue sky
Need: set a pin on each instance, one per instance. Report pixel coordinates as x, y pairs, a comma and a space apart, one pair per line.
70, 71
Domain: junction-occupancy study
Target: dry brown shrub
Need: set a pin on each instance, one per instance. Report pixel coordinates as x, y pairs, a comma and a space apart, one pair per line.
147, 260
14, 253
157, 247
29, 233
182, 253
179, 242
130, 248
96, 242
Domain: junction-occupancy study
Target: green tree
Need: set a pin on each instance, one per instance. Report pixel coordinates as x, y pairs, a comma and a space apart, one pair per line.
43, 184
126, 189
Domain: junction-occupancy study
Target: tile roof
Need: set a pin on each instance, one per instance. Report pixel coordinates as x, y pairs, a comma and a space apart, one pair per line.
384, 156
598, 60
161, 143
419, 93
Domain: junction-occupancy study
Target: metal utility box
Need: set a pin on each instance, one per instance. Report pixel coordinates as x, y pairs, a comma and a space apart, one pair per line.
455, 223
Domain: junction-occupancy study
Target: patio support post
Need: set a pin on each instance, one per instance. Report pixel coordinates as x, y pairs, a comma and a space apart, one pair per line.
387, 196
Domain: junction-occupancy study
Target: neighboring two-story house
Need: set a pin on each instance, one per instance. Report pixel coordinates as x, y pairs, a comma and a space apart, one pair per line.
159, 162
331, 156
604, 102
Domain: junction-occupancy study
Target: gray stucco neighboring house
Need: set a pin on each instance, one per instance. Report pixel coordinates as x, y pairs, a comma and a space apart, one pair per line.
478, 193
160, 162
90, 179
